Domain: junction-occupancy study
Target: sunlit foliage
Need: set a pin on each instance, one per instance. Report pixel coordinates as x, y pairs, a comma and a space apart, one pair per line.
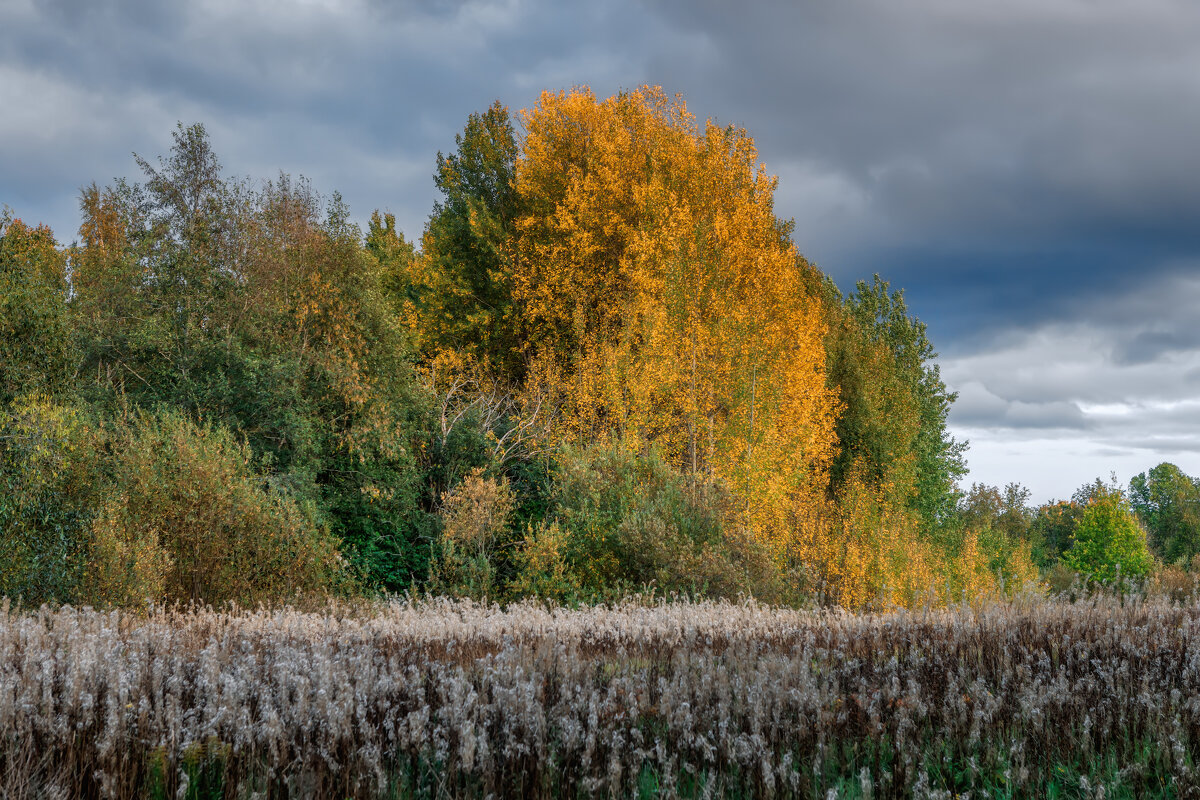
606, 368
656, 279
1108, 543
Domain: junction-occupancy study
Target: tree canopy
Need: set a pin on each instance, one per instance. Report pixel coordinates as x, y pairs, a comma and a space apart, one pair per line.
603, 365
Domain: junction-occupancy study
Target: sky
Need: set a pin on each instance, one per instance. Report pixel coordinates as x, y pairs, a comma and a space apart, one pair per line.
1027, 171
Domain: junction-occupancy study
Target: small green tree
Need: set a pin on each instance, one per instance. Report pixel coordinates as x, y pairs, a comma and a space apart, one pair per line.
1109, 543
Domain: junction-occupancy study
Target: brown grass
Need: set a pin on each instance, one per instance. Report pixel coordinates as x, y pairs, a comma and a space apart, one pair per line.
460, 699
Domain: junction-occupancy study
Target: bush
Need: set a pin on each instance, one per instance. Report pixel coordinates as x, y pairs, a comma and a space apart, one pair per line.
189, 519
543, 567
474, 517
35, 342
151, 507
53, 469
622, 522
1173, 582
125, 569
1062, 581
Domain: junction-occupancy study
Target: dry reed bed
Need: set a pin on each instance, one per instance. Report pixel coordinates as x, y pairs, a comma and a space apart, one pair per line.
717, 699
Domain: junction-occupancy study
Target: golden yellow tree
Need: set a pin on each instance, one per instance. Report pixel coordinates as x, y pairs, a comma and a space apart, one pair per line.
655, 276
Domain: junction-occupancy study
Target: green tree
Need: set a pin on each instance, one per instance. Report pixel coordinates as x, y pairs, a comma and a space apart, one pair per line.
260, 309
397, 259
1167, 501
895, 402
1051, 529
1093, 490
463, 289
1006, 509
155, 277
1109, 542
35, 351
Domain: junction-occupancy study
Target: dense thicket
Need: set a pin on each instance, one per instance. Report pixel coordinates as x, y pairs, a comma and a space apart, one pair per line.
606, 368
621, 274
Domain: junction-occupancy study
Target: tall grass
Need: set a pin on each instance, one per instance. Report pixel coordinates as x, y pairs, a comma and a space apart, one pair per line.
445, 699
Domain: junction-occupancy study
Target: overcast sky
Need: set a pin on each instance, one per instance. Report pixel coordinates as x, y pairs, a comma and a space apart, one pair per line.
1027, 170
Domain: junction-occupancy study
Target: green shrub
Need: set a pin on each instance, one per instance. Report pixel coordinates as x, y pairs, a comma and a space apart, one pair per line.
35, 342
622, 521
474, 518
53, 469
150, 507
543, 568
221, 534
125, 568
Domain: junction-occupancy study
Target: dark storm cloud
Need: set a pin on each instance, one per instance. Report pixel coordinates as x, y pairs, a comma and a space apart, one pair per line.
946, 138
1150, 346
999, 160
1022, 116
357, 96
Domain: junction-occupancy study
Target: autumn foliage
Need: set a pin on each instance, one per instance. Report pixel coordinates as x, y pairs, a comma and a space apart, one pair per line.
656, 279
640, 283
604, 367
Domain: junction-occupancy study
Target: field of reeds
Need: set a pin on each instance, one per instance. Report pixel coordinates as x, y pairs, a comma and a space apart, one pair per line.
1098, 698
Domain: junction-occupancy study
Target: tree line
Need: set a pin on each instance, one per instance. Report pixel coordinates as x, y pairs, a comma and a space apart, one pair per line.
605, 368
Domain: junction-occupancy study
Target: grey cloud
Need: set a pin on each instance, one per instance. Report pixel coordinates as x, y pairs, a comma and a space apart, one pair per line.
1059, 414
333, 91
1182, 419
1003, 162
1027, 116
1109, 390
930, 123
978, 407
1152, 345
1134, 343
1168, 444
